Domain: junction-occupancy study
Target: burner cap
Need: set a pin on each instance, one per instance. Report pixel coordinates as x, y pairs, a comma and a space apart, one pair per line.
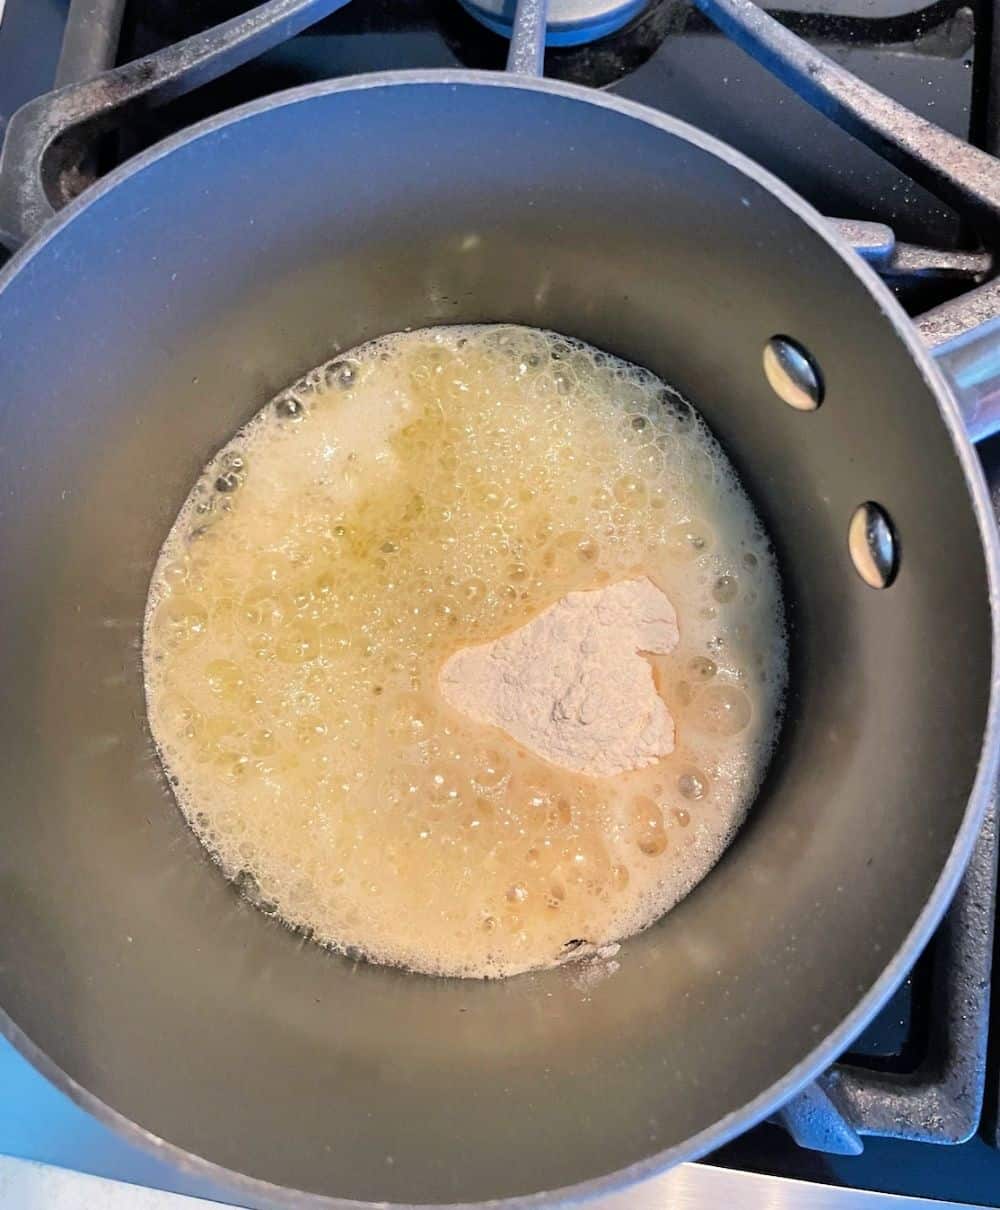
570, 22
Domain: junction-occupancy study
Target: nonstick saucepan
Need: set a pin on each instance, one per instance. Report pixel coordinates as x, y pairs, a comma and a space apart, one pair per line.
143, 324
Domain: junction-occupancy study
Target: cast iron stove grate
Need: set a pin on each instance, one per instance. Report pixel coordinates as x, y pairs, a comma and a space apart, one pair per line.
919, 1071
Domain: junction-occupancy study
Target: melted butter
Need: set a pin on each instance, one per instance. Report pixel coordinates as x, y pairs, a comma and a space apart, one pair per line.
429, 491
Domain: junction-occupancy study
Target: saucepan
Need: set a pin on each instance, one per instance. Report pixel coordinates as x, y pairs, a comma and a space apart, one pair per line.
149, 318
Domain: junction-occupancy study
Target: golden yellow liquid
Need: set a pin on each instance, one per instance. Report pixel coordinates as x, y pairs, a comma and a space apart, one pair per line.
427, 491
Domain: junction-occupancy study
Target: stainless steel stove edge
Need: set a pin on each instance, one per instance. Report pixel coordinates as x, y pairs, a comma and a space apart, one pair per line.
28, 1184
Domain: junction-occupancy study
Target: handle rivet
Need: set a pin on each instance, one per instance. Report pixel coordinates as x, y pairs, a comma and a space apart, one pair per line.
872, 544
793, 374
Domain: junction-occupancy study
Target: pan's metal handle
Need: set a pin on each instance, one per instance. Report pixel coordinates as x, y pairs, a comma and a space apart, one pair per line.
48, 137
964, 337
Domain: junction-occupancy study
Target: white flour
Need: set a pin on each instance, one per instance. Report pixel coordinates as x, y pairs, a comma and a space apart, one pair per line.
571, 684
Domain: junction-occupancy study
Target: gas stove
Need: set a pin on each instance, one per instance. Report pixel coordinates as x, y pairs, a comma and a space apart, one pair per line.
913, 1108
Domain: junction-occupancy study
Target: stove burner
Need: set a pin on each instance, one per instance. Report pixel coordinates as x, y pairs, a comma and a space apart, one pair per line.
569, 22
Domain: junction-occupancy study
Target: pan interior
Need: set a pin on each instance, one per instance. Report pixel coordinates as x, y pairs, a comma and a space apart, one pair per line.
145, 331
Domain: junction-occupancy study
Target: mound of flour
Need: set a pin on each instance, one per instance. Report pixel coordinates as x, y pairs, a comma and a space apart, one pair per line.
571, 684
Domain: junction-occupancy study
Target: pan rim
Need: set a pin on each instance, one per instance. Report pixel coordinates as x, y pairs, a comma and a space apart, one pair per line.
826, 1051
